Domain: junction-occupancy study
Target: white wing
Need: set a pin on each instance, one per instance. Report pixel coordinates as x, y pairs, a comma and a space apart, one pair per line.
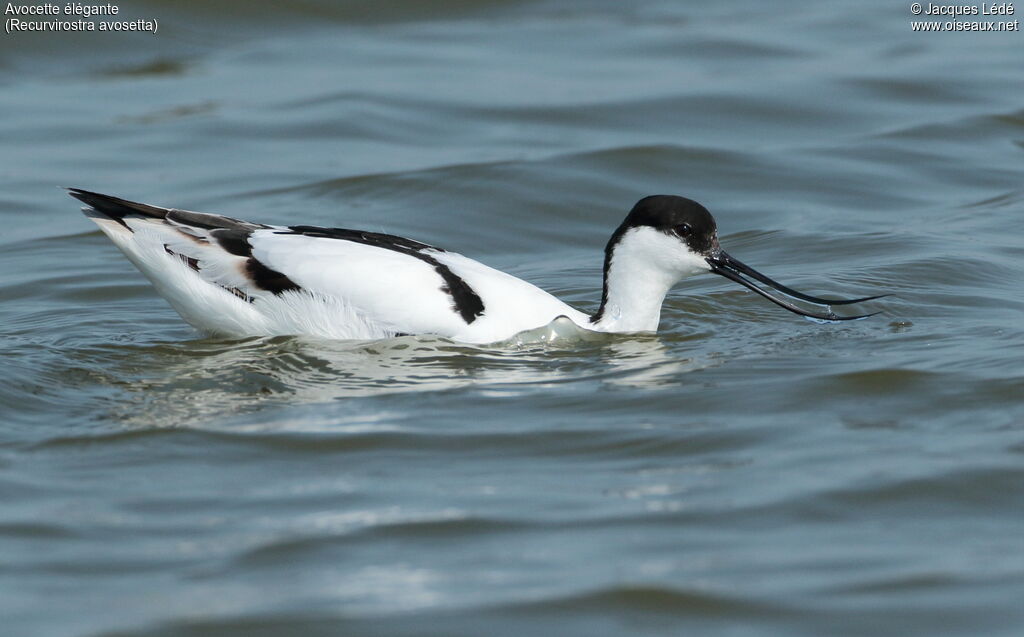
411, 287
402, 293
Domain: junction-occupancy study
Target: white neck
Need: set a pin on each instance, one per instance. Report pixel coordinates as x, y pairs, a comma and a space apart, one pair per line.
644, 265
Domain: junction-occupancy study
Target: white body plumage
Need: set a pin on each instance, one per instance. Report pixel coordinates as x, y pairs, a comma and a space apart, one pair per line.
349, 290
235, 278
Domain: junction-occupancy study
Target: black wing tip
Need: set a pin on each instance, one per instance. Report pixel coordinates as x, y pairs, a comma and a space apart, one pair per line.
115, 207
97, 205
88, 196
81, 194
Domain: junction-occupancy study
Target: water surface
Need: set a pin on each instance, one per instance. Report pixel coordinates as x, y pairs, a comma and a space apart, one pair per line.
744, 472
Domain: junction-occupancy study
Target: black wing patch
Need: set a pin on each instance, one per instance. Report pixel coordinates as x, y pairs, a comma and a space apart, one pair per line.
193, 263
270, 280
233, 238
465, 300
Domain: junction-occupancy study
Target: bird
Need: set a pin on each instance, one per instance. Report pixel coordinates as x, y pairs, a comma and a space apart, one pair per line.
235, 279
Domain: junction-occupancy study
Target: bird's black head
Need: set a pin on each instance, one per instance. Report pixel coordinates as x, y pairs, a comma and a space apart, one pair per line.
679, 217
691, 224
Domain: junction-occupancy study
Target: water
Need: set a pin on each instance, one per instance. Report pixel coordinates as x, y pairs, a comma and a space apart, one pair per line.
745, 472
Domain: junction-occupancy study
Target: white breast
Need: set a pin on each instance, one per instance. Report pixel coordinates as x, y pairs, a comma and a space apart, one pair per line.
511, 305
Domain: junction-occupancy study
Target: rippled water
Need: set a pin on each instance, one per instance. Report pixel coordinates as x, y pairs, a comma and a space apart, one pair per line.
744, 472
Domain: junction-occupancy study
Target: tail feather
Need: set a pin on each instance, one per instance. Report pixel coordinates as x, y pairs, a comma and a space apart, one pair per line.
214, 247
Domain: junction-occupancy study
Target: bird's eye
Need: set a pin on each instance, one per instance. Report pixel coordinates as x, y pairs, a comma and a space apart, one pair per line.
684, 230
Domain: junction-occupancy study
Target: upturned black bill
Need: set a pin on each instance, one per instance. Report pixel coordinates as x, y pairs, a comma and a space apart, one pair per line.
734, 269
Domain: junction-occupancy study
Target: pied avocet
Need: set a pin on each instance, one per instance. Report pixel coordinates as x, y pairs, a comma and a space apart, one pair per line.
234, 278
